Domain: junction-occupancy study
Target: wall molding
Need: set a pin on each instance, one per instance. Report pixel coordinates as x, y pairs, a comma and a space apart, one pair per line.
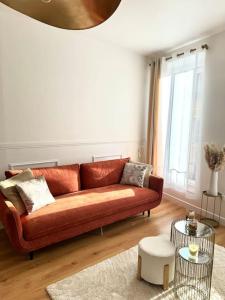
188, 205
54, 144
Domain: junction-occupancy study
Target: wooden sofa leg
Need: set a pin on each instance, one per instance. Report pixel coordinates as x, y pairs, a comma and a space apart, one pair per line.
149, 213
31, 255
139, 268
166, 277
143, 213
101, 231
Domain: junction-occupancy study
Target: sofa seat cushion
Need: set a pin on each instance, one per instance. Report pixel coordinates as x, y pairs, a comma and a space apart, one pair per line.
83, 207
101, 173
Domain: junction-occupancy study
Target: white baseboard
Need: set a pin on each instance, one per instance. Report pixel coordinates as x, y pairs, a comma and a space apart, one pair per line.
196, 208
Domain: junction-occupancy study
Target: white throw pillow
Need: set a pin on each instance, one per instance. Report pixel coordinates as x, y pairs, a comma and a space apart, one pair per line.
8, 189
35, 194
134, 174
147, 173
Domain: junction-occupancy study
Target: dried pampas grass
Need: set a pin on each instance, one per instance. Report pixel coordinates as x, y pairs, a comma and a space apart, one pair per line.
215, 157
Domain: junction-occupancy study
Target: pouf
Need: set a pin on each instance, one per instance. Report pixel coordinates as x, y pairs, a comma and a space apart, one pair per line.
156, 260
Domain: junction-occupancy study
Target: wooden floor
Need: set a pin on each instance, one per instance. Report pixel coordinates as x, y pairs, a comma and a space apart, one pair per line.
23, 279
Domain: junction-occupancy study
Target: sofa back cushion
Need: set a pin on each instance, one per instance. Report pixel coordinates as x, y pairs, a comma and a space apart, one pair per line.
61, 179
102, 173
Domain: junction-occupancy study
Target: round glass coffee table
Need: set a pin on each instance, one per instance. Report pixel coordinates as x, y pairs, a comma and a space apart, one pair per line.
204, 236
193, 273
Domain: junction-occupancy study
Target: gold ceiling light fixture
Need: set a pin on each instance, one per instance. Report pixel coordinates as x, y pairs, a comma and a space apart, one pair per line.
66, 14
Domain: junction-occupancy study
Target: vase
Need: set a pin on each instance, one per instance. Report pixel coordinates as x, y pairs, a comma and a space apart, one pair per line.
213, 184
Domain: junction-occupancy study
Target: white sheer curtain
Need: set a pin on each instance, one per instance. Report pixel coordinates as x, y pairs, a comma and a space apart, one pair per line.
179, 122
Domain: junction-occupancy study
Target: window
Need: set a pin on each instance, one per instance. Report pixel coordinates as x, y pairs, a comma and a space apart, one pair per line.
180, 116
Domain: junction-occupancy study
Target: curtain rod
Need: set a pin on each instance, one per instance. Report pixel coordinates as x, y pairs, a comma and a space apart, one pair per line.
205, 46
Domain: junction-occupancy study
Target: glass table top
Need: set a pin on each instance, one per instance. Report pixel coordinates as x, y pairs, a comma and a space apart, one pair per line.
201, 257
203, 230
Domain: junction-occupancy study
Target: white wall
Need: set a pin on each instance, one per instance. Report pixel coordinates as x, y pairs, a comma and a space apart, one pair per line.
66, 95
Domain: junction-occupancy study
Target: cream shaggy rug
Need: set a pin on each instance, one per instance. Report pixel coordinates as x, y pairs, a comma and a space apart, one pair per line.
115, 279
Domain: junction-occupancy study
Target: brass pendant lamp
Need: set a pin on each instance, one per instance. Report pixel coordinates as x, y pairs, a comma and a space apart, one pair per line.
67, 14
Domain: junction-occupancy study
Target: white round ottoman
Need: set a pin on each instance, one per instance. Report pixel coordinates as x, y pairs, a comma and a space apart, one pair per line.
156, 260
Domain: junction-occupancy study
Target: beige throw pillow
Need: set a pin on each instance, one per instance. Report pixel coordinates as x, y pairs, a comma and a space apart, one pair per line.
147, 173
134, 174
8, 189
35, 194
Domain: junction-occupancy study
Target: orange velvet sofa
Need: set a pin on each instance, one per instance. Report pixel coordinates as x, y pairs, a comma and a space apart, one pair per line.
88, 196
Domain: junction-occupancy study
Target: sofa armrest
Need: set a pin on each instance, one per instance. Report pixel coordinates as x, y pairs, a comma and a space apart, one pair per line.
13, 226
10, 218
156, 184
12, 213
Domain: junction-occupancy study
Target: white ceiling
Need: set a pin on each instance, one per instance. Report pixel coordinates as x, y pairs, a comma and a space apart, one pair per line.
148, 26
